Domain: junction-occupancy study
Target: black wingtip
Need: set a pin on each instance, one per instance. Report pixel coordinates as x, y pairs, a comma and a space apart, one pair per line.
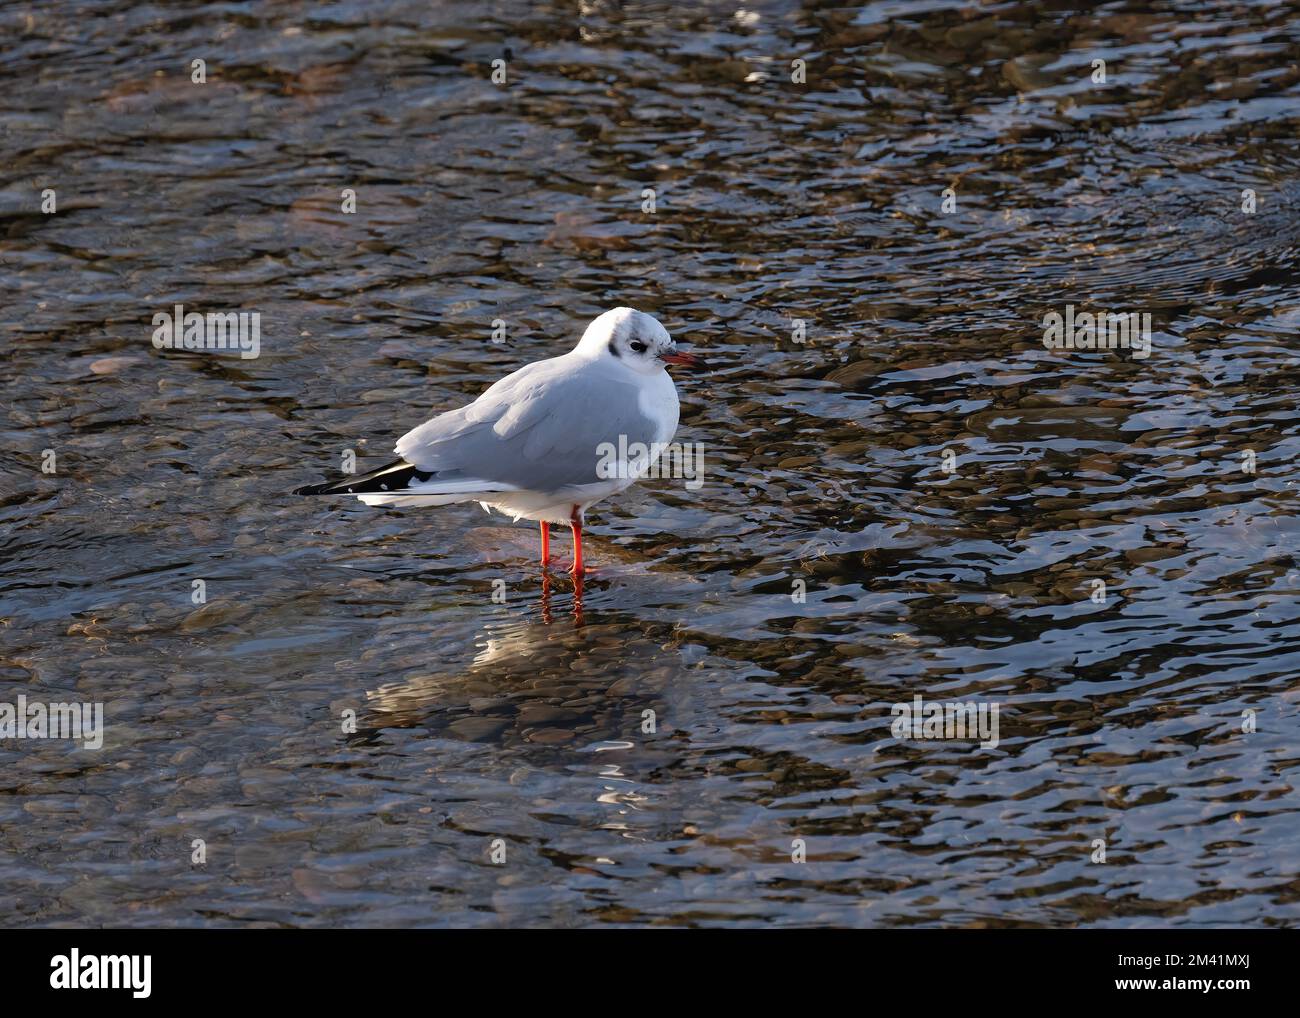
390, 478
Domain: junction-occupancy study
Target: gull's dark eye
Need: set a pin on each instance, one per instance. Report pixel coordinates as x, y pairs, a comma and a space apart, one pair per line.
637, 346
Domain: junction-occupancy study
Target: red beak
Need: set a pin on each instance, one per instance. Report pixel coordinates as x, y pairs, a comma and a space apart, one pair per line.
690, 360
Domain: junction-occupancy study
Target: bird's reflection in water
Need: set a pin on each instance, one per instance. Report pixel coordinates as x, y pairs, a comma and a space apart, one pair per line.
619, 569
558, 676
547, 617
578, 666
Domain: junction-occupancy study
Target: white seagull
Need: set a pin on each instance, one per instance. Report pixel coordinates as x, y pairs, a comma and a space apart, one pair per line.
537, 444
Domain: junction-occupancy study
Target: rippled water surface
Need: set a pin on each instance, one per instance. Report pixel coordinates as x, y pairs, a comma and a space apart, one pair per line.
520, 726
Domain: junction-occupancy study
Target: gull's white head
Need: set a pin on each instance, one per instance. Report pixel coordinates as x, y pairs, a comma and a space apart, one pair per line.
634, 339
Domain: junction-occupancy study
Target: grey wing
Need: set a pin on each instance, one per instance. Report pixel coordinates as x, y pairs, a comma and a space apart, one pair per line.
440, 444
540, 430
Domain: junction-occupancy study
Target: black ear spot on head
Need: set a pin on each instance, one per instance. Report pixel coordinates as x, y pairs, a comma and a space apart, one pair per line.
613, 349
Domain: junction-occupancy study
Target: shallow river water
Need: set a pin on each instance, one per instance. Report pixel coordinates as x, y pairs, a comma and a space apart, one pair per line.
912, 496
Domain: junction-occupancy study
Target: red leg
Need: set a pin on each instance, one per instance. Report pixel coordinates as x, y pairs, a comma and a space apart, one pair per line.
575, 521
546, 543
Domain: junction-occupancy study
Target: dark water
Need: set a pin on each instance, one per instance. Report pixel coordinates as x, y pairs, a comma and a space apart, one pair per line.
477, 721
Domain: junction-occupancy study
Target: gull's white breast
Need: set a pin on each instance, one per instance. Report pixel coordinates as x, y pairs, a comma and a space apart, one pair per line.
657, 401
